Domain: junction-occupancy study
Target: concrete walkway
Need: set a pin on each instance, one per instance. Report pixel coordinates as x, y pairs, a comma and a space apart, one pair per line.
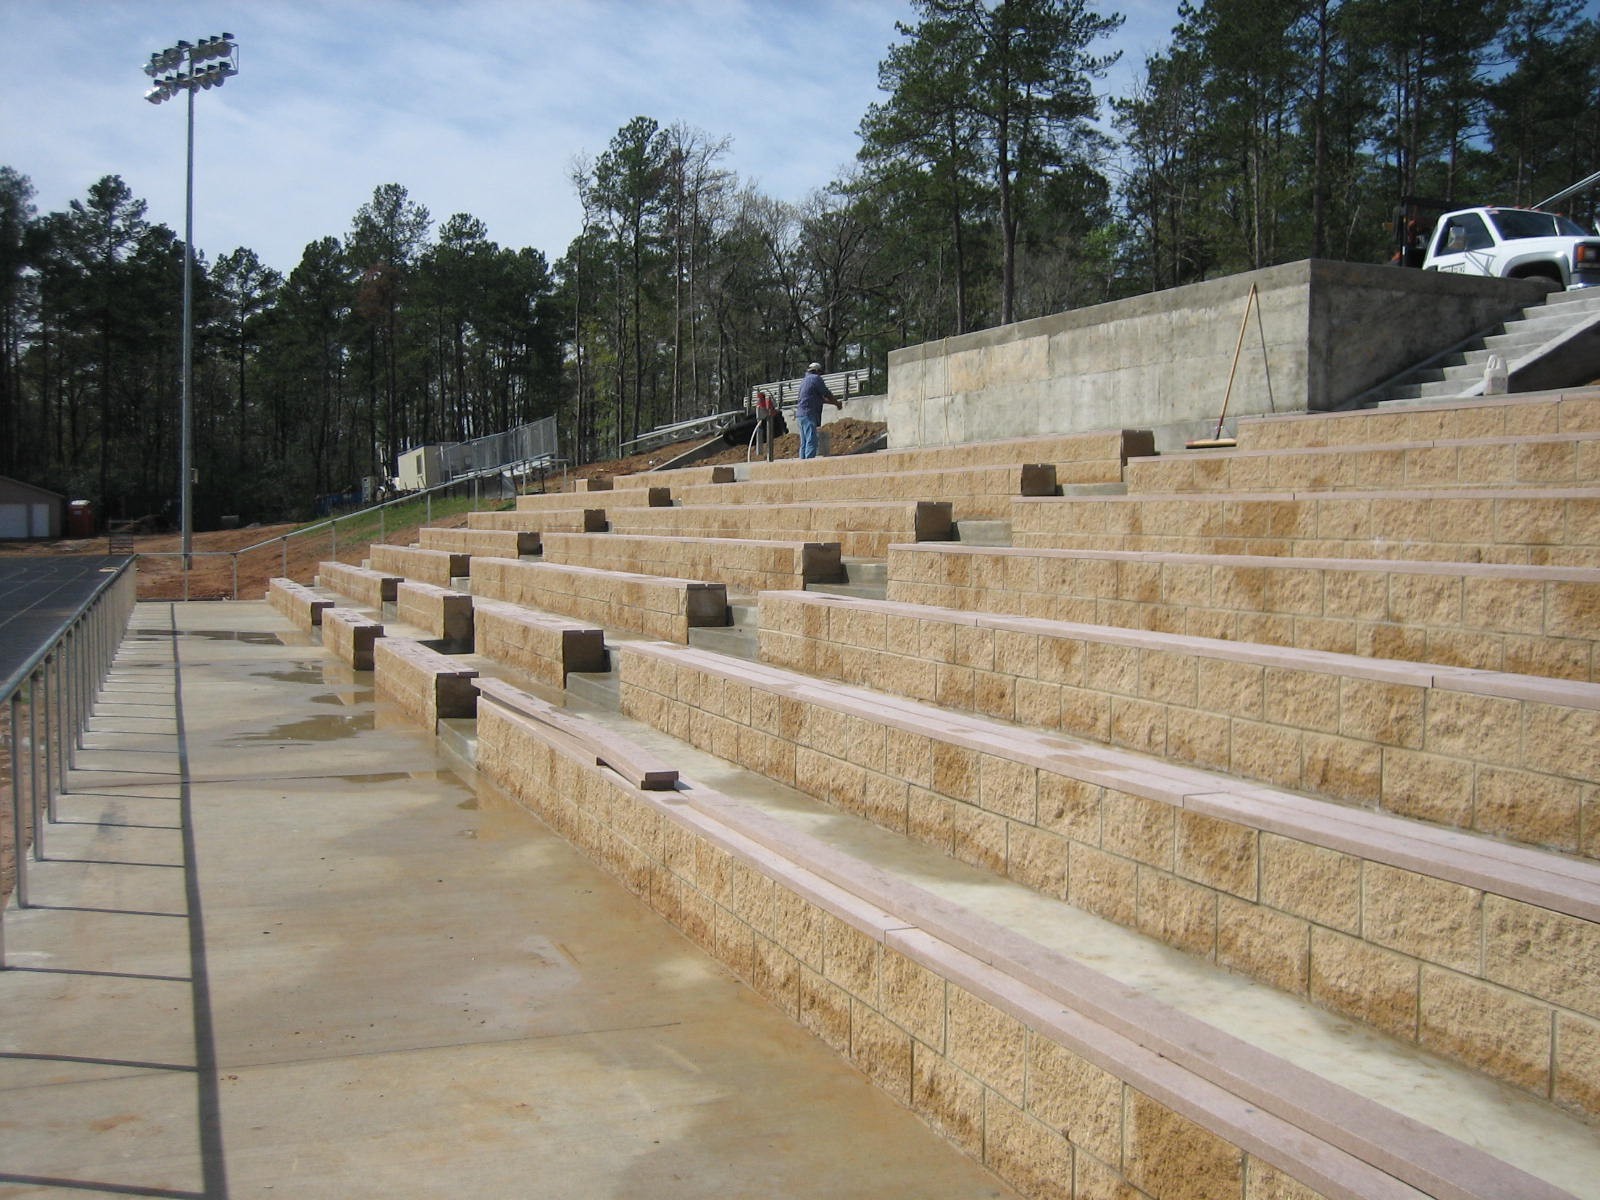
279, 948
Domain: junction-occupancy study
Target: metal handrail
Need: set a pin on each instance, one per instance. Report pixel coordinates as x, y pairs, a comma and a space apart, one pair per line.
60, 680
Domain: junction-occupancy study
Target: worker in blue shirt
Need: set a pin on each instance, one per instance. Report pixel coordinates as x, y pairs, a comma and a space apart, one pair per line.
814, 394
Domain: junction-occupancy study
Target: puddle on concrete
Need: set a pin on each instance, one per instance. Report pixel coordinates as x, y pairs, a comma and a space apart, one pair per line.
379, 777
315, 729
253, 637
306, 674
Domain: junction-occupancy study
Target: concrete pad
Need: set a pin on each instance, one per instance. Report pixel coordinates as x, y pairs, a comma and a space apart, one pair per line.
301, 957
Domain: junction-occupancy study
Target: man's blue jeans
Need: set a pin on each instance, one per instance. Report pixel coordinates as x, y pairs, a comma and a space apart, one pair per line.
808, 436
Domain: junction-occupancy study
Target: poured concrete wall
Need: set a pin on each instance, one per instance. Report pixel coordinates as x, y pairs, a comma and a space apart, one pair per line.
1161, 361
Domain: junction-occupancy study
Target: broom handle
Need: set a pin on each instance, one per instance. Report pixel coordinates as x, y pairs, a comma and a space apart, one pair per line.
1237, 346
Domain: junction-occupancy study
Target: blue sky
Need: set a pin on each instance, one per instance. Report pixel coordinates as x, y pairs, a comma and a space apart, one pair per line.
477, 106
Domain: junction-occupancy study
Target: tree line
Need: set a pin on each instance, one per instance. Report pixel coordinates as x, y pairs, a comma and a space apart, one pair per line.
991, 186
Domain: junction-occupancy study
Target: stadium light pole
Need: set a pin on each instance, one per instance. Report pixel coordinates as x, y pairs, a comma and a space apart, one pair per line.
189, 67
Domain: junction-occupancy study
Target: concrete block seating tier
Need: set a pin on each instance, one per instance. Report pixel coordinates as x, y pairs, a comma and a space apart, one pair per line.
1512, 756
368, 588
742, 564
981, 491
1575, 410
427, 686
675, 478
549, 520
1095, 457
488, 543
1526, 526
349, 636
658, 606
437, 567
1480, 951
1059, 1077
440, 612
1524, 620
546, 647
862, 529
653, 496
297, 602
1545, 460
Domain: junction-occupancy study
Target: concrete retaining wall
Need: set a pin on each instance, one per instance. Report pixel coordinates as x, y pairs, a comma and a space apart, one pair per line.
1331, 331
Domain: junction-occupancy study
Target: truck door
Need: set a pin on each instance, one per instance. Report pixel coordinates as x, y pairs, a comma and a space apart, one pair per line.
1460, 244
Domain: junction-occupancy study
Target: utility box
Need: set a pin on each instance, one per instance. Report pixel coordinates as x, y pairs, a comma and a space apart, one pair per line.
420, 468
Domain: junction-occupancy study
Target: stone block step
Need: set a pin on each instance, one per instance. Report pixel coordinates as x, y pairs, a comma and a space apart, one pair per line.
1569, 411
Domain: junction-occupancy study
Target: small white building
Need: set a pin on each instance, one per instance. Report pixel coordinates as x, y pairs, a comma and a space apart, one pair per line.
29, 513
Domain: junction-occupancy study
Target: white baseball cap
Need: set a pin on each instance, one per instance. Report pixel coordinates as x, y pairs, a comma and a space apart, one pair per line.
817, 367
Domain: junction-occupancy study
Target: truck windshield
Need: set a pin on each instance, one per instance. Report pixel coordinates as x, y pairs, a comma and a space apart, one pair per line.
1517, 223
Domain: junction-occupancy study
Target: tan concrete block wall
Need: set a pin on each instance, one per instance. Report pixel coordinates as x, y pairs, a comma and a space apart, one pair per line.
1015, 1094
1345, 927
437, 567
1527, 621
440, 611
622, 497
424, 684
298, 603
980, 491
1560, 460
657, 606
1094, 457
545, 647
747, 564
1574, 411
675, 478
1445, 745
486, 543
863, 530
1532, 527
349, 636
371, 589
547, 520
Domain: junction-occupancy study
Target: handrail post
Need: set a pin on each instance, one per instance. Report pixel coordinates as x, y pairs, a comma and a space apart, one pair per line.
49, 754
19, 825
235, 574
33, 767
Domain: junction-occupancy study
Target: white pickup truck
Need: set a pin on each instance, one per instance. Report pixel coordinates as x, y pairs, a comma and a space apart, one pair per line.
1515, 243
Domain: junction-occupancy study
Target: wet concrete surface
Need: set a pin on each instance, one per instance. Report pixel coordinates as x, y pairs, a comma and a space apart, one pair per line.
281, 948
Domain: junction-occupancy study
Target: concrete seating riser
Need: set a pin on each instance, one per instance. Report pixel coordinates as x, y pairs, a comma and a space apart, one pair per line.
631, 497
863, 530
297, 602
661, 607
1095, 457
425, 685
675, 478
488, 543
1524, 620
370, 589
349, 636
1505, 755
1531, 527
1344, 913
1560, 460
982, 491
441, 612
437, 567
1495, 417
745, 564
546, 647
552, 520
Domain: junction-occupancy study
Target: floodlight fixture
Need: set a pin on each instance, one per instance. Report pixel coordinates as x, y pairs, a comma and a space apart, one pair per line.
185, 75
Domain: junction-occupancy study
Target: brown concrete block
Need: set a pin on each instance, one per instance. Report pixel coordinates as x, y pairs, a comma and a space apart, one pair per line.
1113, 668
1309, 881
1038, 859
1070, 807
955, 772
978, 838
1428, 787
1038, 705
1562, 741
1027, 1154
825, 1010
1168, 1155
1301, 699
1219, 854
1388, 713
1589, 823
1294, 590
1342, 767
1542, 953
1577, 1064
1372, 984
987, 1044
797, 925
1527, 807
775, 975
1417, 599
850, 958
1169, 678
1423, 917
1204, 739
1179, 913
1103, 884
994, 695
1528, 521
1140, 724
1552, 657
1480, 728
1235, 688
881, 1049
1265, 1182
974, 647
1086, 713
1267, 752
930, 818
954, 686
1139, 828
948, 1099
1062, 659
913, 997
1574, 610
1094, 1180
1264, 944
1075, 1097
1496, 1031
